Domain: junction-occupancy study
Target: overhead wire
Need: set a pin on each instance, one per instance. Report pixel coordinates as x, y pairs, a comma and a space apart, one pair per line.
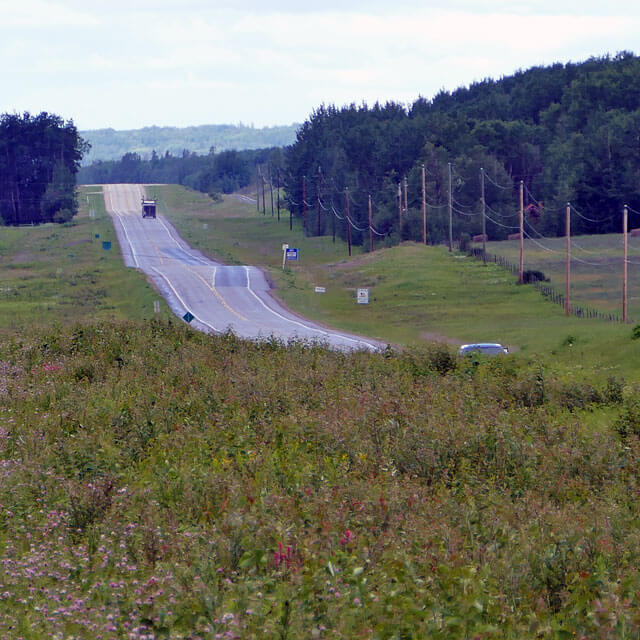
493, 182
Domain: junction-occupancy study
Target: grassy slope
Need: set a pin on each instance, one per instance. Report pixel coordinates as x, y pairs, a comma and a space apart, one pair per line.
54, 273
160, 483
417, 293
596, 268
157, 482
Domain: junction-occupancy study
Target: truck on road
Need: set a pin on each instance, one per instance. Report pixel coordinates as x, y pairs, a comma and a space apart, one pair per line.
148, 208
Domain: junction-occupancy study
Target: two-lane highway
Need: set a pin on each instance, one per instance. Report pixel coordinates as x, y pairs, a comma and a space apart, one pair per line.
220, 297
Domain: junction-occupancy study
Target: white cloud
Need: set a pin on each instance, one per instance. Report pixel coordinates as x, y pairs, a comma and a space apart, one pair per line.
275, 62
39, 14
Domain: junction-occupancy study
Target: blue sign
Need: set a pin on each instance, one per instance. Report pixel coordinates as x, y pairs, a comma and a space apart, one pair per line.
188, 317
292, 254
106, 245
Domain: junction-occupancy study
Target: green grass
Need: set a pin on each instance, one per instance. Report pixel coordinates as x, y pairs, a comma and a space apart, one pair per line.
158, 482
417, 293
61, 273
596, 268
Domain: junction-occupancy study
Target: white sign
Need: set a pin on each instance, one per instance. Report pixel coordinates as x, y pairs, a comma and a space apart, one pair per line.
363, 296
285, 246
321, 290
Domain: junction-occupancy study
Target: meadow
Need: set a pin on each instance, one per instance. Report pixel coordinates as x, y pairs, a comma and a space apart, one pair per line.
596, 267
61, 273
418, 294
162, 483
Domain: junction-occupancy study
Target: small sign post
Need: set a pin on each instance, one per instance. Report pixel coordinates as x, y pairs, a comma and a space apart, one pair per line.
285, 246
106, 245
188, 317
363, 296
292, 254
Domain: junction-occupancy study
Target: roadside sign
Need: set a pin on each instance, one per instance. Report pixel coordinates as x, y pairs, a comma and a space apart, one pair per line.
188, 317
321, 290
291, 254
285, 246
363, 296
106, 245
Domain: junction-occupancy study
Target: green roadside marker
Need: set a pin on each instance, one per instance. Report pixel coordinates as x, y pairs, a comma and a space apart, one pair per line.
188, 317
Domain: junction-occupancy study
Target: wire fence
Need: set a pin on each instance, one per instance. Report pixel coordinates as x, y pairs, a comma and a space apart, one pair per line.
549, 292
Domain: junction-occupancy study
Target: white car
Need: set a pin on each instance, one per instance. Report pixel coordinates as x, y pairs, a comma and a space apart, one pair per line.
484, 348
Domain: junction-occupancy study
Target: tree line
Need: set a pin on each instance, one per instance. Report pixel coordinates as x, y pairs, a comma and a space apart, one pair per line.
39, 158
212, 173
568, 132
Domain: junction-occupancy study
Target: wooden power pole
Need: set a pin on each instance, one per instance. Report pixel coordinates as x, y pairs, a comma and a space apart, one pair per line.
625, 231
271, 189
319, 188
278, 190
370, 225
400, 212
484, 217
567, 268
304, 204
346, 197
406, 199
521, 267
257, 189
450, 212
424, 205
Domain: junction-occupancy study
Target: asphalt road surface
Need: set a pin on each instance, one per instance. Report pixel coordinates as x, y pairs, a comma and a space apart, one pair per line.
219, 297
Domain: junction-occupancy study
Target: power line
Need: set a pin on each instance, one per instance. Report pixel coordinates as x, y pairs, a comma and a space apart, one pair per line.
493, 182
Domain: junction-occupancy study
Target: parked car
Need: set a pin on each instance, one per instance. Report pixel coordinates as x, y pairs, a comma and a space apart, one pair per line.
484, 348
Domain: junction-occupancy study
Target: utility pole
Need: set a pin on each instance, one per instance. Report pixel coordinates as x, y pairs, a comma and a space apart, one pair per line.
319, 187
567, 268
521, 269
484, 217
406, 200
424, 205
346, 196
625, 230
257, 189
304, 204
271, 189
370, 225
278, 190
450, 213
399, 212
333, 222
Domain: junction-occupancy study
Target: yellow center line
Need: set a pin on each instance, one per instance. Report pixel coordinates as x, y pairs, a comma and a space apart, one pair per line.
216, 293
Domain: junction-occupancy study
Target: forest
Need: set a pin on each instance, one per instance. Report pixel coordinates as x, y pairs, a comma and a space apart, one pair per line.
567, 133
39, 158
212, 173
558, 134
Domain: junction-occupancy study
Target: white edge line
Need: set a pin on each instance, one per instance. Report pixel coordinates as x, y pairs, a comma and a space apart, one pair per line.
301, 324
184, 304
191, 255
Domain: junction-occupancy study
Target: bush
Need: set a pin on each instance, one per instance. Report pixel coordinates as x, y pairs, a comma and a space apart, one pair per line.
533, 275
62, 215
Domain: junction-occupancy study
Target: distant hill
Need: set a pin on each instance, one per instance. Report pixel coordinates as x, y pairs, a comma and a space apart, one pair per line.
109, 144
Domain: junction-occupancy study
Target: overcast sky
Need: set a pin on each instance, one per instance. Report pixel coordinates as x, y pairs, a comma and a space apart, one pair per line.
127, 64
